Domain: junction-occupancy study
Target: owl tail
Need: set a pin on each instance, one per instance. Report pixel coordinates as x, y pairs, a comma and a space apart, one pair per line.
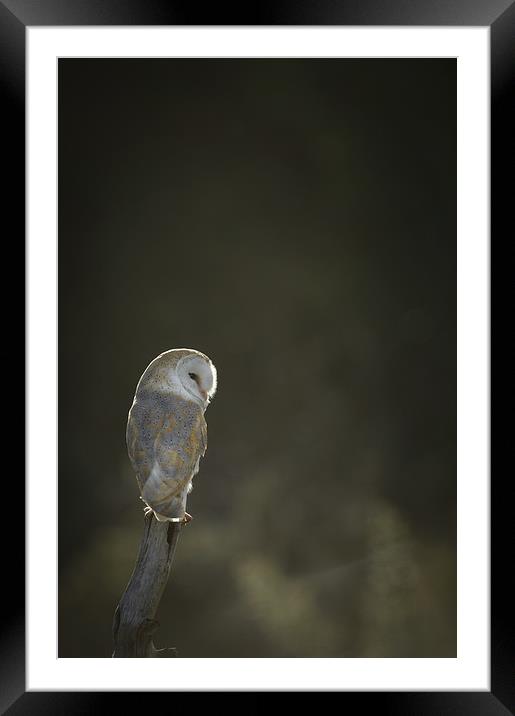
162, 518
172, 510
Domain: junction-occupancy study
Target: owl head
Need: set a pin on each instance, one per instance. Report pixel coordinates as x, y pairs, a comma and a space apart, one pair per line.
184, 371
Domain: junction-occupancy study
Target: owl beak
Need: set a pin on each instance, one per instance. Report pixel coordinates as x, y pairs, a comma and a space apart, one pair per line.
203, 393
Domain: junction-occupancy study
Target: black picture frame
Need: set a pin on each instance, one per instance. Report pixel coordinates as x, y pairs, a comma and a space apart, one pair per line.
15, 17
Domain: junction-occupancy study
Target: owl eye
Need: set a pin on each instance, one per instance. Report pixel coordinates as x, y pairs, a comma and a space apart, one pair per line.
193, 376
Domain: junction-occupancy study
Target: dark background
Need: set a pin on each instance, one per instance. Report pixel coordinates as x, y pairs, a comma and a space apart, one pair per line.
295, 220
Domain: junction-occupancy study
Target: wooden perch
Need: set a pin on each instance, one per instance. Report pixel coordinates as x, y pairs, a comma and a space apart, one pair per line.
134, 621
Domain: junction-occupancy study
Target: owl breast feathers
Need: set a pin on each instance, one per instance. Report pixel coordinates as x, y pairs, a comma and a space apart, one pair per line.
166, 437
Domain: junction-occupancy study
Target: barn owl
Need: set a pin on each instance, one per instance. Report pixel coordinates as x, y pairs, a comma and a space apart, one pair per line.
166, 430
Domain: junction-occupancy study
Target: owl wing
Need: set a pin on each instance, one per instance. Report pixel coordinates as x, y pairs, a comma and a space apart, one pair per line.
143, 424
165, 445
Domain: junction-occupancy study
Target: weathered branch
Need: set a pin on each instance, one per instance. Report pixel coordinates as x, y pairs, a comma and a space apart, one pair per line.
134, 621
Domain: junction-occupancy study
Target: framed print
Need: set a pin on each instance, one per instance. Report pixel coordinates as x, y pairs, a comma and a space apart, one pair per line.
303, 197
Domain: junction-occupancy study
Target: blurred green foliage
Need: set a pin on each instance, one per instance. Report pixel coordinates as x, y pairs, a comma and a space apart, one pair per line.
295, 220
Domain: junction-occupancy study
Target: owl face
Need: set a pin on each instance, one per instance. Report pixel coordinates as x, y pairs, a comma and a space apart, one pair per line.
197, 376
182, 371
